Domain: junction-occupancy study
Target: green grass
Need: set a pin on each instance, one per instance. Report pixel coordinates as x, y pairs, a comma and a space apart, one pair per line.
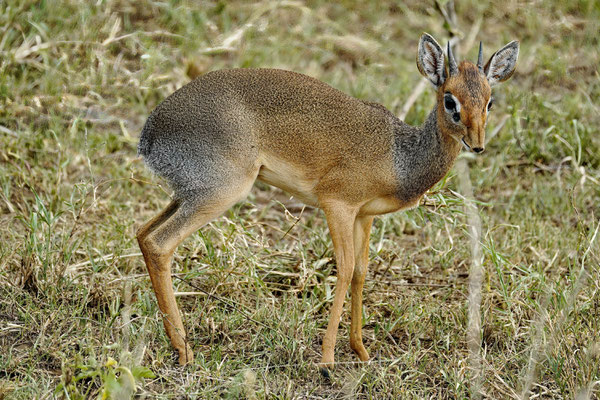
78, 79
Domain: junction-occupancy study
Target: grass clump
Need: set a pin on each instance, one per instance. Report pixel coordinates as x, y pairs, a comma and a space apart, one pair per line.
77, 312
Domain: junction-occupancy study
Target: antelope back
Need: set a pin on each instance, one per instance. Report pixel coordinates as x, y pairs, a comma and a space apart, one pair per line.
285, 128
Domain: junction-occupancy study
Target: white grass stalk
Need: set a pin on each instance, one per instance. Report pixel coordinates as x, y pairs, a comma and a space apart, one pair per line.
475, 281
416, 93
539, 346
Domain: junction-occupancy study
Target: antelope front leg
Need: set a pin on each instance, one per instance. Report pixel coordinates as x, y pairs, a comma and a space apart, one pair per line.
340, 219
362, 231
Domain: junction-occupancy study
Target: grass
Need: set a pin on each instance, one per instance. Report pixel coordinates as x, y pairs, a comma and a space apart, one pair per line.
77, 313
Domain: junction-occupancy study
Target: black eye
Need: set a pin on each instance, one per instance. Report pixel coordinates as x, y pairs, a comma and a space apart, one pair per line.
449, 103
456, 117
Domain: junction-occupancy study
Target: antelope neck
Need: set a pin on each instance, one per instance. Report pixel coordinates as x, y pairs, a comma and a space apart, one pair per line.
422, 156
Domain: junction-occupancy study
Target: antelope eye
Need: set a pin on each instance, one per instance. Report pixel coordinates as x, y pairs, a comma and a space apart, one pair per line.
449, 103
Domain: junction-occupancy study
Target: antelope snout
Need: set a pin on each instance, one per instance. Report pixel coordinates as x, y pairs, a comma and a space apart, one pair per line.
475, 140
476, 148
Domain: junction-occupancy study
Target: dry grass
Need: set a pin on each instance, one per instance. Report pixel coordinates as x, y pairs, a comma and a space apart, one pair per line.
77, 81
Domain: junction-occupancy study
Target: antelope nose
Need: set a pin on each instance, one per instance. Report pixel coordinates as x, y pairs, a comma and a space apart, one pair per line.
478, 149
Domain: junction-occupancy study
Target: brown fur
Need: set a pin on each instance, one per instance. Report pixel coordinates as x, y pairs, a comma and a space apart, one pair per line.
473, 92
214, 137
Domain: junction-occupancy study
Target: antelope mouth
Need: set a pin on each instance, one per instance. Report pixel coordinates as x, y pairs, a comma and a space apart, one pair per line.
466, 145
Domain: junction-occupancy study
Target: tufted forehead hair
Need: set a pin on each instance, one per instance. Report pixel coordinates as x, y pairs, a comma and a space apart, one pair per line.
470, 85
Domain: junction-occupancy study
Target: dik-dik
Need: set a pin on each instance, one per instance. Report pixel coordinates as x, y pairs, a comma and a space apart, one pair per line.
214, 137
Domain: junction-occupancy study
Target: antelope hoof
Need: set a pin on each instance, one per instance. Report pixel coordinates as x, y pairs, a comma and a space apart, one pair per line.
186, 355
325, 373
326, 366
361, 352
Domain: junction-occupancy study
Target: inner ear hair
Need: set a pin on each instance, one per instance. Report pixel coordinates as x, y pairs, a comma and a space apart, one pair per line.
502, 63
430, 60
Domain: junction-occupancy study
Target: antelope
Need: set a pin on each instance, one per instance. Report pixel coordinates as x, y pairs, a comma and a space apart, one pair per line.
215, 136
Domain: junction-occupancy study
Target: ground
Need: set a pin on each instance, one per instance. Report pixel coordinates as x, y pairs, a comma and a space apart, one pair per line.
78, 317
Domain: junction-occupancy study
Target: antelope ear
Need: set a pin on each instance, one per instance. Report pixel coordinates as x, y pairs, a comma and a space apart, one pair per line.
430, 60
502, 63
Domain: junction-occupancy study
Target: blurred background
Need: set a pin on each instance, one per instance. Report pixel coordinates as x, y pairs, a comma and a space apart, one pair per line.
78, 318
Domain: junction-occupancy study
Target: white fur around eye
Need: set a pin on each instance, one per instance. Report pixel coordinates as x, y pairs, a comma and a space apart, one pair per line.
450, 95
487, 106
